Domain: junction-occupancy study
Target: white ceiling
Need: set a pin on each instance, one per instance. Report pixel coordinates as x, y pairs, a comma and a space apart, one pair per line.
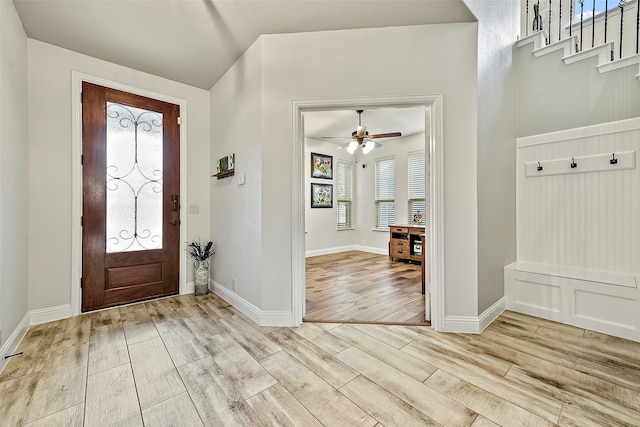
196, 41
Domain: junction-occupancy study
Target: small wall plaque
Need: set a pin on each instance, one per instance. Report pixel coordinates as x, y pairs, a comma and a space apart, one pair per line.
226, 166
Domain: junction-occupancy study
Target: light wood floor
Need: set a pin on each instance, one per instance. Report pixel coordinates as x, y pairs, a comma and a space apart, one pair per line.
187, 361
363, 287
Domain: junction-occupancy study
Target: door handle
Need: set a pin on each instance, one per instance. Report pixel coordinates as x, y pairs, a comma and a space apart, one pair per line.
174, 202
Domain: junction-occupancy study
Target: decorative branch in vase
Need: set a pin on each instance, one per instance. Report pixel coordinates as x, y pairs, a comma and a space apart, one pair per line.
201, 255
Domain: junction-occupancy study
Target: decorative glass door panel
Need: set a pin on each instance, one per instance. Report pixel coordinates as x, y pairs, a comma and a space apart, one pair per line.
134, 178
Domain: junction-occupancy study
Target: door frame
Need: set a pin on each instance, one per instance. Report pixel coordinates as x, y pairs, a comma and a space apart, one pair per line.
436, 218
76, 178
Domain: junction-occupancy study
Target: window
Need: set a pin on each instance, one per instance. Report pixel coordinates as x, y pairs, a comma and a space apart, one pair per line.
416, 193
385, 182
344, 195
589, 6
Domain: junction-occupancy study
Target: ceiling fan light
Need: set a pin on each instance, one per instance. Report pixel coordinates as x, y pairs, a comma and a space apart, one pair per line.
353, 145
368, 146
362, 131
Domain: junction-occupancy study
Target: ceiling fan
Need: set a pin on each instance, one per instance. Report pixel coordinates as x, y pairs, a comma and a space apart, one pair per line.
361, 138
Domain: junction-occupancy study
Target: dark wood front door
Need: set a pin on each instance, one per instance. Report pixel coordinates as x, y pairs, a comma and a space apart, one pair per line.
131, 197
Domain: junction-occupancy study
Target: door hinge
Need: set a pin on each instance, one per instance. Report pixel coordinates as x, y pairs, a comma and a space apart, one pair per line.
82, 159
81, 96
82, 221
81, 283
179, 120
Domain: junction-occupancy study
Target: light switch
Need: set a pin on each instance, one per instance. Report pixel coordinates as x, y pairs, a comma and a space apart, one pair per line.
194, 209
241, 179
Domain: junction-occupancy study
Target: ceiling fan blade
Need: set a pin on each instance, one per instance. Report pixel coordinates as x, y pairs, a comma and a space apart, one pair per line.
386, 135
336, 137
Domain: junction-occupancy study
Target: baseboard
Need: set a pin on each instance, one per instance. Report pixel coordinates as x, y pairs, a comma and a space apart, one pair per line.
474, 325
189, 288
12, 343
339, 249
329, 251
372, 250
260, 317
50, 314
492, 313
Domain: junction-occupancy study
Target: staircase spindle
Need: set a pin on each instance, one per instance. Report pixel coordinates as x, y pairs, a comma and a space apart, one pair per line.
549, 22
526, 20
570, 17
593, 25
581, 21
559, 20
621, 5
606, 18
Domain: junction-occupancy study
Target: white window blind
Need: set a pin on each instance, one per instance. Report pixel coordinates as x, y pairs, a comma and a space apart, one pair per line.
344, 173
416, 189
385, 192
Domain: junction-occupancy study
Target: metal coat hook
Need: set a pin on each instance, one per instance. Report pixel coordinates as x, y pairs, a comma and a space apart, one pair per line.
573, 163
539, 167
613, 160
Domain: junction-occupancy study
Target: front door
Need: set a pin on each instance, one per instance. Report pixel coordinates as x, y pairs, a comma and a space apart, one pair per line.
130, 199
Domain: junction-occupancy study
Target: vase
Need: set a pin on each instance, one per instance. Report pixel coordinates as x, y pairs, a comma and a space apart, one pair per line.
201, 277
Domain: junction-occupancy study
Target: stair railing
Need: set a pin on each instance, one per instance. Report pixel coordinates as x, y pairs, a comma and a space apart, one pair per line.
599, 21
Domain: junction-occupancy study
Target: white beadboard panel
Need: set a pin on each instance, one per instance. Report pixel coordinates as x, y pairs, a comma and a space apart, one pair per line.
613, 310
598, 307
581, 220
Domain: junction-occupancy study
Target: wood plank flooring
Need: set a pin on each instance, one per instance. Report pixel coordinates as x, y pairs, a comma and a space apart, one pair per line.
359, 286
196, 361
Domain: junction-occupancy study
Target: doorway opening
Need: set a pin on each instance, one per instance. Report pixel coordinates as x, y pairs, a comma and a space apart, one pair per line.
431, 106
355, 270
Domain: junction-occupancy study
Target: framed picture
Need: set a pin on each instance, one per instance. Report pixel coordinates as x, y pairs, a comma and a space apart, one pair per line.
321, 166
321, 195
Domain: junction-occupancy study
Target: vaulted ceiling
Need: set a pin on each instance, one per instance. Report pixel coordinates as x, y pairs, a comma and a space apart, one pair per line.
196, 41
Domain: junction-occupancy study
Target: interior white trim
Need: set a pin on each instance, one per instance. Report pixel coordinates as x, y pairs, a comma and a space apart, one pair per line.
436, 224
337, 250
76, 177
580, 133
11, 344
475, 325
260, 317
50, 314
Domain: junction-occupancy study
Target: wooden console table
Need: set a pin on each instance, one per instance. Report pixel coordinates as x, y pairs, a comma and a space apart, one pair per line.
406, 242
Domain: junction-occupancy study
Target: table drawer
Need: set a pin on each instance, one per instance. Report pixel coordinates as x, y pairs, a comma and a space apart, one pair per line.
399, 229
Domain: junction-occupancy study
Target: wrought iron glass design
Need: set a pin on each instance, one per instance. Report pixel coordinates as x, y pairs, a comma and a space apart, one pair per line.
134, 178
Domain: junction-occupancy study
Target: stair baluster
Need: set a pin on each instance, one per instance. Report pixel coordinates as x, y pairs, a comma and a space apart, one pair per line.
593, 25
621, 5
606, 18
581, 21
559, 20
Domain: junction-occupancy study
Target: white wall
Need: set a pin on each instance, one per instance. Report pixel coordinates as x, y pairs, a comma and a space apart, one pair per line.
236, 221
13, 172
496, 128
50, 160
437, 59
322, 235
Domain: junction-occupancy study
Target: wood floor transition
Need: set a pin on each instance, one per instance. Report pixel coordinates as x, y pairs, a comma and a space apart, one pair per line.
361, 287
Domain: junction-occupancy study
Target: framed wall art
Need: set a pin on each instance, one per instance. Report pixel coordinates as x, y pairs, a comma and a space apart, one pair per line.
321, 166
321, 195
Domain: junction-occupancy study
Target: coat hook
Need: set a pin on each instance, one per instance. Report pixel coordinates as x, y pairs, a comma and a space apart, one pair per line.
573, 163
613, 160
539, 167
